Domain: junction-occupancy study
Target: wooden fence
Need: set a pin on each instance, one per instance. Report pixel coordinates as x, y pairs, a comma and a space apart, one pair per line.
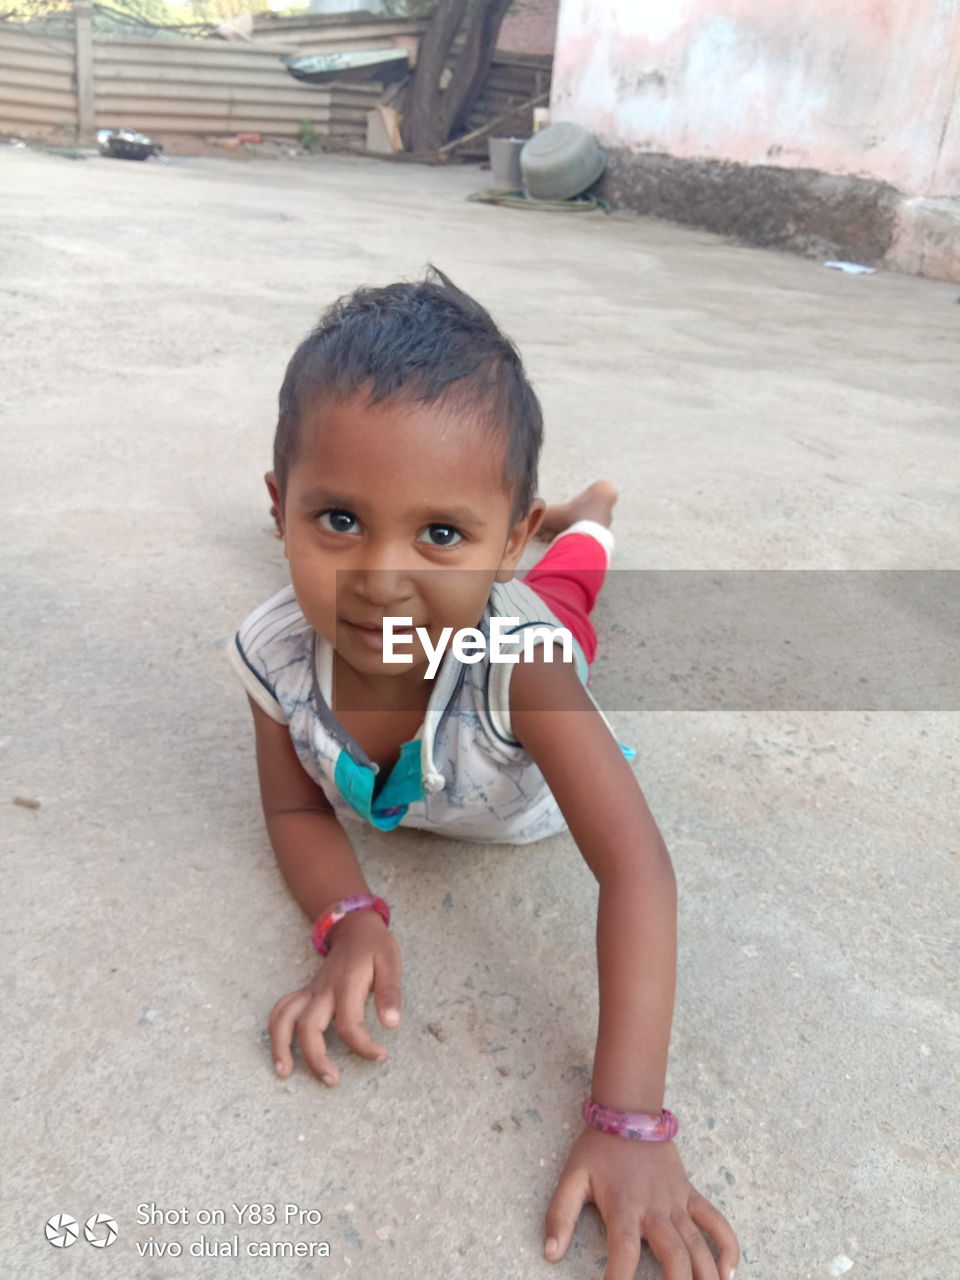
513, 79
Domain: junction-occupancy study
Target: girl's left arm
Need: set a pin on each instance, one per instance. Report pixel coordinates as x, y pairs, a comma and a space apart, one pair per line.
639, 1188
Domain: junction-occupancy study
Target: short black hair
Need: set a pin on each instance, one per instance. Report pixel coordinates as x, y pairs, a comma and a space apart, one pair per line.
421, 341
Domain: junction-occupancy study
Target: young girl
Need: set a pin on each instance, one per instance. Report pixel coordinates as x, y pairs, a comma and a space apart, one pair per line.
404, 482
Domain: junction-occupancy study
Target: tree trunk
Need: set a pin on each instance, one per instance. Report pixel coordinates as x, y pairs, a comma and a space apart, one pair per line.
433, 113
473, 65
422, 125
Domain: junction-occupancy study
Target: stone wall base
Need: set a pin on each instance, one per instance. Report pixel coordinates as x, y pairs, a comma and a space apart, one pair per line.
803, 210
926, 241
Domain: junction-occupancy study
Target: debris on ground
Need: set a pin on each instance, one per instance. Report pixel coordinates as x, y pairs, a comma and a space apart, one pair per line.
383, 131
24, 803
126, 144
236, 141
851, 268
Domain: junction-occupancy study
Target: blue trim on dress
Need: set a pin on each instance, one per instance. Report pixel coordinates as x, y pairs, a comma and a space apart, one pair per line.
250, 667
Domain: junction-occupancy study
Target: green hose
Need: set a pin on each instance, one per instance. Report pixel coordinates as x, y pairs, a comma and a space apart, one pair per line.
518, 200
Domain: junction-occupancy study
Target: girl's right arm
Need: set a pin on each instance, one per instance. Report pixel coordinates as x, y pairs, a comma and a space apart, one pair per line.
320, 867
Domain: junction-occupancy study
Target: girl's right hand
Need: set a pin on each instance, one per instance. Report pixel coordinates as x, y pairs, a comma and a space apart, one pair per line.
364, 957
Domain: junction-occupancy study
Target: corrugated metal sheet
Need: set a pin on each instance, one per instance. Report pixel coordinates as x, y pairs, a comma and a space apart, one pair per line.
208, 86
317, 33
198, 86
37, 93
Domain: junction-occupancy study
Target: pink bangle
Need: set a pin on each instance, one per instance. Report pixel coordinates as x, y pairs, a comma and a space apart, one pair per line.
333, 915
631, 1124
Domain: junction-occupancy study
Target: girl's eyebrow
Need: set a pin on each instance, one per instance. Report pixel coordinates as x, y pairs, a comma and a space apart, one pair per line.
323, 498
459, 515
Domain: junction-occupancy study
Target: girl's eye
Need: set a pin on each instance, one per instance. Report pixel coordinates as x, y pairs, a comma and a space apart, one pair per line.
337, 521
441, 535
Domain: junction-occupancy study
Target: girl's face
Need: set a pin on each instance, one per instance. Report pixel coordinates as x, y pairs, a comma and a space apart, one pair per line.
393, 510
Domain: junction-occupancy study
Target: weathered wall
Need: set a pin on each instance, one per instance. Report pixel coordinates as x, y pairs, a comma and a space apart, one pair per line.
868, 88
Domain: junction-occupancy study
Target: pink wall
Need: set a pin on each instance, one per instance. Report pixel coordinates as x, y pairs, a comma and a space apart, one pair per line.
862, 87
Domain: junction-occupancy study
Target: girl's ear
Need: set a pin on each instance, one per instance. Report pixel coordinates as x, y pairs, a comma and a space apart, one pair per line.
520, 535
276, 504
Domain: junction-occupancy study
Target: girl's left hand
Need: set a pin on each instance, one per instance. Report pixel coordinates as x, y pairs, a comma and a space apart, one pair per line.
642, 1193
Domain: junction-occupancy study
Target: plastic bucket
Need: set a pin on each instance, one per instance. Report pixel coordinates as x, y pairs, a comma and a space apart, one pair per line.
505, 163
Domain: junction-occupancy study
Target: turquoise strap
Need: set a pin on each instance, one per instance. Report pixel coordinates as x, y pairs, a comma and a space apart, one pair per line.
402, 788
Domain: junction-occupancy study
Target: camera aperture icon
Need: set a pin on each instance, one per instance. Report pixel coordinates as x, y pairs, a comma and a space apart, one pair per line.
101, 1230
62, 1230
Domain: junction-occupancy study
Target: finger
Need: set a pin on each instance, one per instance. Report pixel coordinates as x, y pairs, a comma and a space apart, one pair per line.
311, 1025
386, 990
712, 1221
623, 1242
283, 1017
669, 1248
701, 1259
563, 1211
351, 1006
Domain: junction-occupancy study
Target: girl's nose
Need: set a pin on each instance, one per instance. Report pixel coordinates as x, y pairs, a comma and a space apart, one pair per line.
382, 578
380, 587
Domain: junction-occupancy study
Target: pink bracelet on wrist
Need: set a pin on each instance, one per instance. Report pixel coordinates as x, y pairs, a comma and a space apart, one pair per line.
631, 1124
333, 915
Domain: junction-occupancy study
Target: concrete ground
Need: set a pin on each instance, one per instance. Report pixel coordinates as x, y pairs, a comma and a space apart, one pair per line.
759, 412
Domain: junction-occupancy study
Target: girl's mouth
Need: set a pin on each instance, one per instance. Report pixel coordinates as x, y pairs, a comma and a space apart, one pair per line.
374, 635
